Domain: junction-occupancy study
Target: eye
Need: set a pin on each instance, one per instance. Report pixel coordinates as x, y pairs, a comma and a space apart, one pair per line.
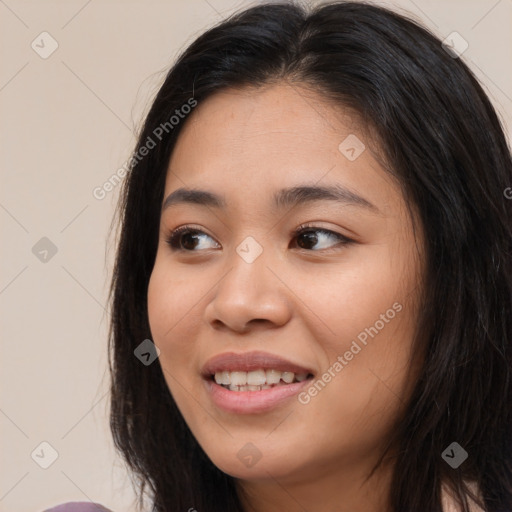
308, 236
186, 238
189, 239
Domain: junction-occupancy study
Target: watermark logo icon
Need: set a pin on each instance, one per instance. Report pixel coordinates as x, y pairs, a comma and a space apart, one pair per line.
249, 455
455, 45
44, 250
249, 249
44, 45
147, 352
44, 455
352, 147
454, 455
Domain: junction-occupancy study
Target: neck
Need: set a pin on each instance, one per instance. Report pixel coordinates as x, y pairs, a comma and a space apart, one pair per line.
346, 490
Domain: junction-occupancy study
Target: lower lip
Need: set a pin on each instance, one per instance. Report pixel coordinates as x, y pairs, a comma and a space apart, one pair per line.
250, 402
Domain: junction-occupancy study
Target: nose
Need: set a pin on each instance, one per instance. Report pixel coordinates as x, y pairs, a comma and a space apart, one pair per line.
248, 296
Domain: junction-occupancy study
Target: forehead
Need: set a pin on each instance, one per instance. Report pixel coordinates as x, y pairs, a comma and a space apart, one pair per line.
261, 119
255, 141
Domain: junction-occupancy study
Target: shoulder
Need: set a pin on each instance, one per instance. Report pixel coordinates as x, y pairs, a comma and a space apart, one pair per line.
78, 506
449, 504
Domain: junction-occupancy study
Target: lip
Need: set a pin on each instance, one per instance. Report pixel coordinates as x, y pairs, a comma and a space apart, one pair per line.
251, 402
249, 361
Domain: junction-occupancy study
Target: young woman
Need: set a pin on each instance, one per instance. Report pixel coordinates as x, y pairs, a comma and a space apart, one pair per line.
316, 242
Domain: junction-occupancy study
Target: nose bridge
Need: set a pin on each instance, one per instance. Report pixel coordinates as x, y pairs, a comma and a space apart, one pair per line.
249, 290
249, 275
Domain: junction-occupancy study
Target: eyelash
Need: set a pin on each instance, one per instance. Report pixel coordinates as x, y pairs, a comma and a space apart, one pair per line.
173, 239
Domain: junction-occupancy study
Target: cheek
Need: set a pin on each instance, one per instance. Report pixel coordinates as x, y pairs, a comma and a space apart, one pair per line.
174, 317
369, 282
371, 316
173, 305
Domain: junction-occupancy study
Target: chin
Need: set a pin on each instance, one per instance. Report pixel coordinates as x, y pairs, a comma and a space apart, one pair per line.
262, 470
253, 461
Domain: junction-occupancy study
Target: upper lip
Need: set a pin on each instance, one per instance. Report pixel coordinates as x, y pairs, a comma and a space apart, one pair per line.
249, 361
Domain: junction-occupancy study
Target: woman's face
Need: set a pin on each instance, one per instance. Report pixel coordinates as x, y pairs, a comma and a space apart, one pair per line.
248, 298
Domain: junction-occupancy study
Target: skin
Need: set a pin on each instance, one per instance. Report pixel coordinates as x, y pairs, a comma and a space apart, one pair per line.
305, 304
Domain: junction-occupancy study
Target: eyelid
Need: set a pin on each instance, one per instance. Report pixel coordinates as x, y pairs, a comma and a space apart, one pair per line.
343, 239
315, 227
173, 234
310, 226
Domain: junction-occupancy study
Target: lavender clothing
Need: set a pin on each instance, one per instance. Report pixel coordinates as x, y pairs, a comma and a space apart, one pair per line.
78, 506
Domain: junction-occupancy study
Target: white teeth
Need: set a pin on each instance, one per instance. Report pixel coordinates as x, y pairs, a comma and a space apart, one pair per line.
288, 377
248, 388
222, 378
273, 376
257, 380
238, 378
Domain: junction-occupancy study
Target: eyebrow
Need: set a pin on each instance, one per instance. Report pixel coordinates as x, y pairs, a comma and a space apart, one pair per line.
284, 198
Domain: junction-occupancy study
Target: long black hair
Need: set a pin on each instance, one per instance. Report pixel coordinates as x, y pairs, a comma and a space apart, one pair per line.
441, 138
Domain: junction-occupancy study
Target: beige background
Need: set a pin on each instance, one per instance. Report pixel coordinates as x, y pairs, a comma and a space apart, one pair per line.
67, 125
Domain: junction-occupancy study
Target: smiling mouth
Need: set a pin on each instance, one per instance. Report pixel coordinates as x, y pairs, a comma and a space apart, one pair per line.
257, 380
